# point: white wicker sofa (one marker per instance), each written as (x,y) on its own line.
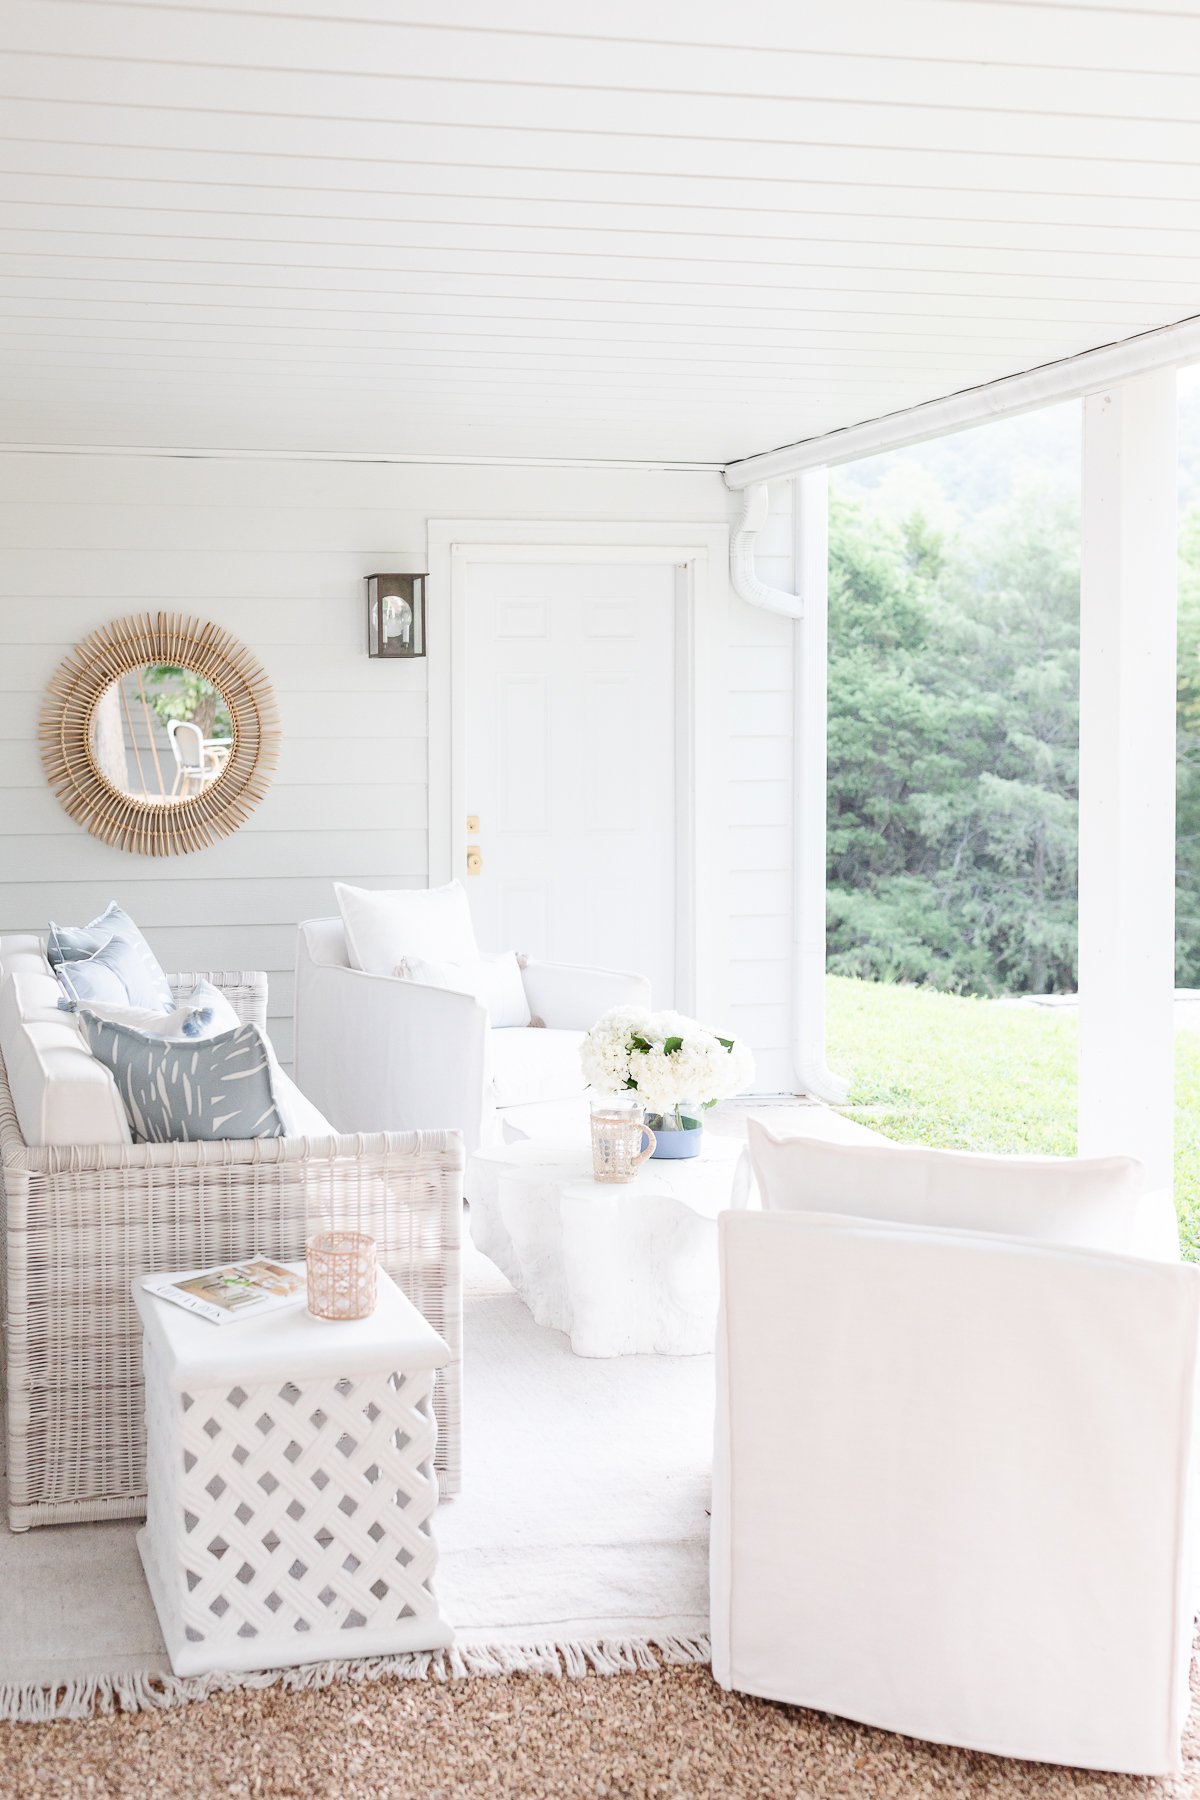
(82,1219)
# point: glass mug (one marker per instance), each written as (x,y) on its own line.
(621,1140)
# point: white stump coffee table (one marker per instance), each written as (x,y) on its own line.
(622,1269)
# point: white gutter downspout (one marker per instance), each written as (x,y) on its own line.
(808,611)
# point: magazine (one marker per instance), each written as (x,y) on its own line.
(233,1291)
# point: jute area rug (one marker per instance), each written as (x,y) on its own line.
(580,1540)
(669,1734)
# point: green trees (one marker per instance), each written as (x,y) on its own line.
(953,749)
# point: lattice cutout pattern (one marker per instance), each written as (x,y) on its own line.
(288,1509)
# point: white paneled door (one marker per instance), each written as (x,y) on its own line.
(571,763)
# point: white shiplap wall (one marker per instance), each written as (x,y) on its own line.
(276,550)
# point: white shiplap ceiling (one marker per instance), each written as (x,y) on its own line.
(652,229)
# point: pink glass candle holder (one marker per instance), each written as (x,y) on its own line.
(341,1269)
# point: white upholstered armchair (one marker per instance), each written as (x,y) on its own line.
(378,1053)
(954,1467)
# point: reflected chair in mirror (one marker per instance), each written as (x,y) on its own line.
(196,761)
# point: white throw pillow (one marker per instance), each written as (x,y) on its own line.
(385,926)
(1082,1203)
(494,980)
(300,1117)
(204,1013)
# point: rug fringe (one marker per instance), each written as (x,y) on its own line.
(145,1691)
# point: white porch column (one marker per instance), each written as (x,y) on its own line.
(1127,775)
(809,784)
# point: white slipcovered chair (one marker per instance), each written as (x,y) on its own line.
(372,1050)
(954,1467)
(197,759)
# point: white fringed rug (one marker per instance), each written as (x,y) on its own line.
(580,1540)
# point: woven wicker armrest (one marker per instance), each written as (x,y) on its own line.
(368,1153)
(245,989)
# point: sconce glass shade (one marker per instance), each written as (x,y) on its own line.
(396,615)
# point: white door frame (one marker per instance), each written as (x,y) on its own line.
(701,556)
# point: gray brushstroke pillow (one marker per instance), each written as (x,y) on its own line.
(189,1090)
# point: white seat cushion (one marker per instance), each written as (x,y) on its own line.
(1087,1204)
(534,1064)
(61,1094)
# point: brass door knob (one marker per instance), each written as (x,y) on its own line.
(474,859)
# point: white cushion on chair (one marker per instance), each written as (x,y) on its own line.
(202,1013)
(534,1065)
(61,1094)
(384,926)
(494,980)
(1090,1204)
(21,953)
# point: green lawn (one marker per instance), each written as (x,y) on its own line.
(933,1068)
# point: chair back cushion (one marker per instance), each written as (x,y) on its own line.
(384,926)
(493,980)
(1090,1203)
(190,1090)
(61,1094)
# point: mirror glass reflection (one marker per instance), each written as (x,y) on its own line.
(161,732)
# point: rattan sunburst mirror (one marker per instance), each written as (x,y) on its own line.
(159,734)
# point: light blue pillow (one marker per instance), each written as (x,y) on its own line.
(189,1090)
(108,960)
(115,975)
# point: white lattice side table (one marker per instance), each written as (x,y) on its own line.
(290,1483)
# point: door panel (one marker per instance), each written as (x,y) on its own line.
(571,762)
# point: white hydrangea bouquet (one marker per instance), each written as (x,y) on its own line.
(669,1061)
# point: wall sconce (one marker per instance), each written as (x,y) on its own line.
(396,615)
